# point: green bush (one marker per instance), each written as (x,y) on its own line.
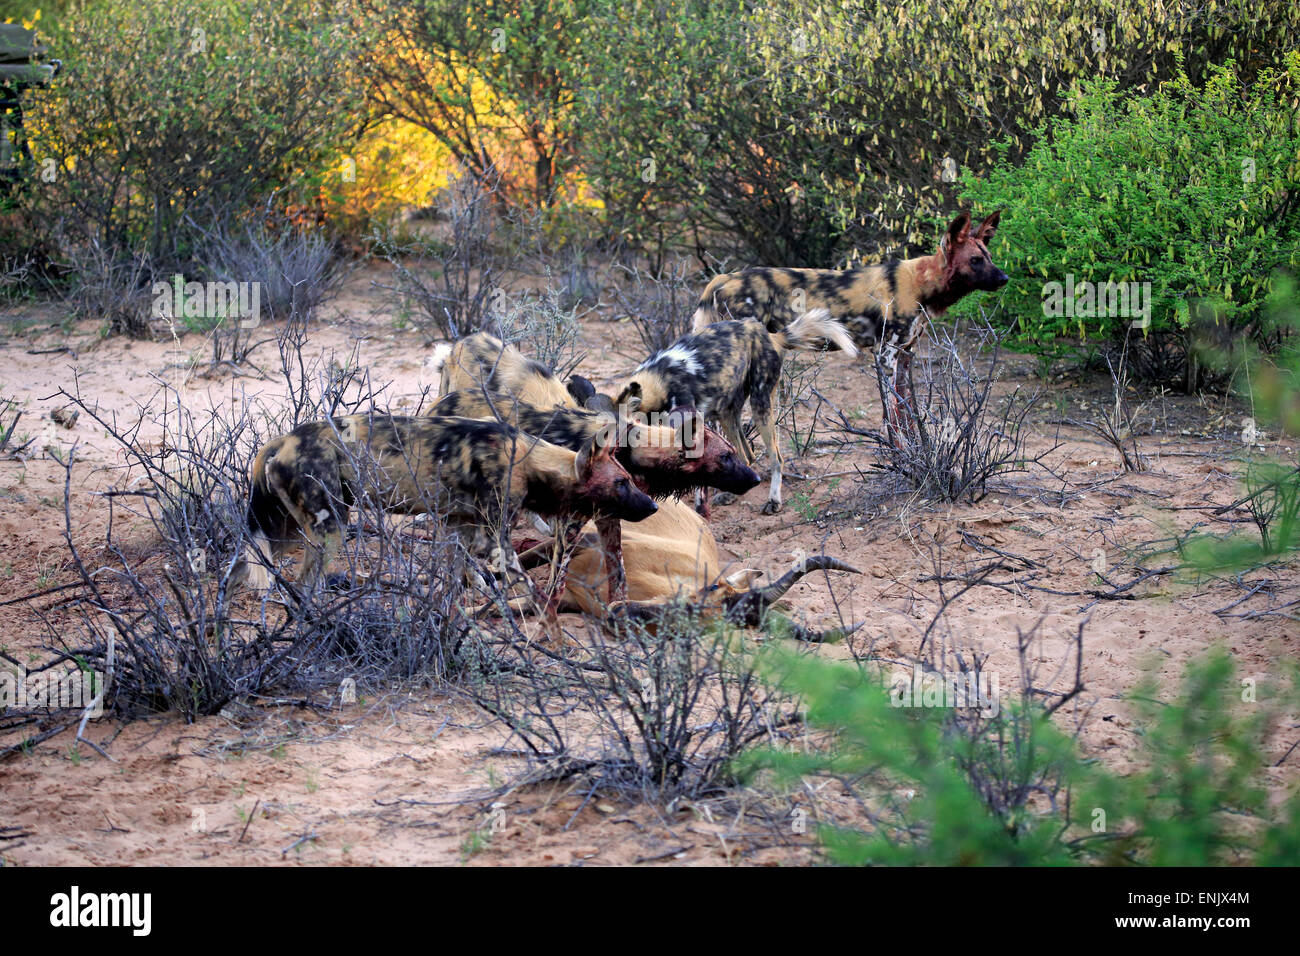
(1194,190)
(1271,388)
(1013,789)
(166,113)
(791,134)
(879,101)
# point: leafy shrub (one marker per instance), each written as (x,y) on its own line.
(1198,799)
(486,80)
(788,132)
(392,169)
(1191,189)
(889,136)
(1272,487)
(166,110)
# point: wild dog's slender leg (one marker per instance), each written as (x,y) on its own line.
(729,422)
(893,409)
(743,443)
(567,533)
(735,433)
(611,544)
(312,496)
(703,504)
(765,418)
(324,534)
(253,569)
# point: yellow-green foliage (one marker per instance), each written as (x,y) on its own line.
(165,110)
(487,80)
(394,166)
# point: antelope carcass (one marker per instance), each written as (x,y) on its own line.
(673,568)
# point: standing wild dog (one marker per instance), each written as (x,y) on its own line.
(663,459)
(719,368)
(483,361)
(883,306)
(476,473)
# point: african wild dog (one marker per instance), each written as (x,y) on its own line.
(484,361)
(883,306)
(663,459)
(474,472)
(717,369)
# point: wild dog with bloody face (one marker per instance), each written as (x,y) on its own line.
(665,459)
(476,473)
(884,307)
(719,368)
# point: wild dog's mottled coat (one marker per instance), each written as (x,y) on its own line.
(663,460)
(470,471)
(726,364)
(883,306)
(483,361)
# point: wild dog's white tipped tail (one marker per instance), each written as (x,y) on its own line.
(251,572)
(815,326)
(435,362)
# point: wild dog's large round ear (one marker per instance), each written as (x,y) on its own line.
(959,229)
(629,400)
(988,227)
(604,442)
(580,389)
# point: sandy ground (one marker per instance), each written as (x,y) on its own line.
(411,776)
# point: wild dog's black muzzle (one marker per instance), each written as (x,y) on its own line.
(995,279)
(637,507)
(737,477)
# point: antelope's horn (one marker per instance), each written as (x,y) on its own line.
(818,562)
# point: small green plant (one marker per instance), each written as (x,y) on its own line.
(474,843)
(1019,792)
(1272,485)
